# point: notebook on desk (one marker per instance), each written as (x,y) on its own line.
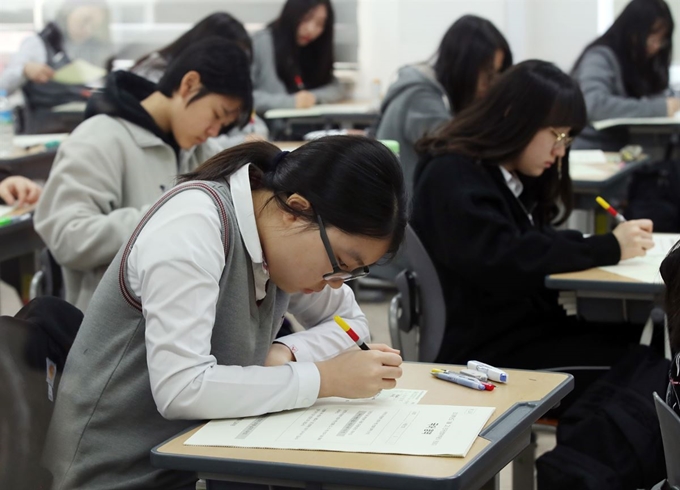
(636,121)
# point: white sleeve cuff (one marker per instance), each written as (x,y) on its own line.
(309,383)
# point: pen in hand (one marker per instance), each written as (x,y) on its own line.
(343,324)
(608,207)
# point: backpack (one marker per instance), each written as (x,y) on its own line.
(654,193)
(610,439)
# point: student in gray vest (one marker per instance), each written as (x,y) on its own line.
(425,96)
(79,31)
(138,137)
(625,72)
(293,58)
(182,327)
(153,66)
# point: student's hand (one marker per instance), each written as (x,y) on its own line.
(38,72)
(359,373)
(384,348)
(279,354)
(17,190)
(304,99)
(635,237)
(672,105)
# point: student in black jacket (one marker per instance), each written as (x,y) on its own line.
(489,187)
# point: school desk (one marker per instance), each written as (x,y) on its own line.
(344,114)
(519,404)
(609,180)
(605,296)
(18,239)
(31,158)
(659,135)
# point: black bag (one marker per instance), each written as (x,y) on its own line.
(654,193)
(609,439)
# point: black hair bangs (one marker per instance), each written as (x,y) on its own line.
(568,110)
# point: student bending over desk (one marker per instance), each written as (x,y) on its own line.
(120,160)
(486,194)
(425,96)
(181,327)
(625,72)
(293,58)
(153,66)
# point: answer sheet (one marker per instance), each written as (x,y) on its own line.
(646,269)
(433,430)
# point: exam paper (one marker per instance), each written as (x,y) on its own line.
(395,396)
(433,430)
(579,157)
(646,269)
(78,72)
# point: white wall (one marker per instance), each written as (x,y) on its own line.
(396,32)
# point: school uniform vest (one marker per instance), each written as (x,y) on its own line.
(105,421)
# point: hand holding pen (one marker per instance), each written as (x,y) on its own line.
(634,237)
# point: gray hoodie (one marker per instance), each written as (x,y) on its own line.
(601,81)
(414,105)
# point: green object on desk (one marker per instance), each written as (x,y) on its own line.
(51,145)
(392,145)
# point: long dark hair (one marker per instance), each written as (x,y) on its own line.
(354,183)
(530,96)
(314,62)
(219,24)
(670,272)
(468,48)
(627,37)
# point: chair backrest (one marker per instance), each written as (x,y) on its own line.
(669,422)
(430,307)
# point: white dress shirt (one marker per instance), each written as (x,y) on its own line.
(512,181)
(175,268)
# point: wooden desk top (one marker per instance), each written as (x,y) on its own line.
(524,386)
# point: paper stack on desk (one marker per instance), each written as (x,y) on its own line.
(368,427)
(78,72)
(646,269)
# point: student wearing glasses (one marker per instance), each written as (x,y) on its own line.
(182,326)
(625,72)
(489,188)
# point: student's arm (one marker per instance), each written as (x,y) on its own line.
(328,94)
(32,50)
(425,113)
(79,215)
(175,267)
(326,339)
(467,227)
(266,100)
(597,78)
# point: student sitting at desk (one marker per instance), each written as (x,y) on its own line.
(670,272)
(425,96)
(293,58)
(625,72)
(488,189)
(139,136)
(153,66)
(181,327)
(16,190)
(80,31)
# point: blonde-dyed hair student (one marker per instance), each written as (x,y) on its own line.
(182,326)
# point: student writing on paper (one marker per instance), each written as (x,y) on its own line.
(490,187)
(79,31)
(625,72)
(470,56)
(153,66)
(670,271)
(293,58)
(181,327)
(138,136)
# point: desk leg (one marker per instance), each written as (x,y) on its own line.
(523,467)
(493,484)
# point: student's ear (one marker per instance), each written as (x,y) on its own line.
(190,84)
(299,203)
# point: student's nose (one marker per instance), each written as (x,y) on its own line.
(560,151)
(214,130)
(336,284)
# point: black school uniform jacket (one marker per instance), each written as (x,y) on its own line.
(492,261)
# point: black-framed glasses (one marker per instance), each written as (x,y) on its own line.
(338,274)
(561,139)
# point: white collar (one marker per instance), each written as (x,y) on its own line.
(512,181)
(242,196)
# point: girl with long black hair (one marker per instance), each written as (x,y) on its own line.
(293,58)
(625,72)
